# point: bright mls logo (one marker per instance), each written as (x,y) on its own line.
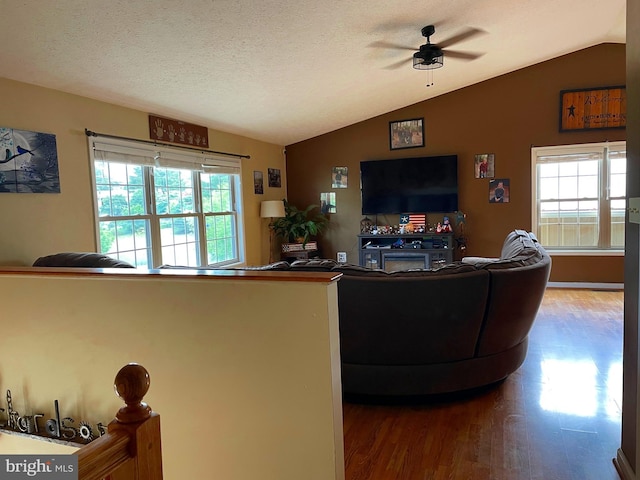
(50,467)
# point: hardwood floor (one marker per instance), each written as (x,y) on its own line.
(557,417)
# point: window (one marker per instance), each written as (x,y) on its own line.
(579,196)
(157,206)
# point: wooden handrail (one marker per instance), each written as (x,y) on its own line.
(131,448)
(102,456)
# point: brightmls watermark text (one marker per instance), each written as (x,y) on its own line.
(49,467)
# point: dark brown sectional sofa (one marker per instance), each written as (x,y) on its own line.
(427,332)
(422,332)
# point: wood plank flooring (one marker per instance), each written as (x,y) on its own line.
(557,417)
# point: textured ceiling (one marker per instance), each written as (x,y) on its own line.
(281,71)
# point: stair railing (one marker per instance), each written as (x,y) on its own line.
(131,448)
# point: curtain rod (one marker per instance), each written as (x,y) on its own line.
(89,133)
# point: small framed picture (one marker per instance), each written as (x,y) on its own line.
(339,177)
(328,202)
(274,177)
(258,182)
(499,190)
(484,165)
(406,134)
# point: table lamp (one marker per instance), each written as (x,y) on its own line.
(271,209)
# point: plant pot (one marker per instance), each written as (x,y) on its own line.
(299,247)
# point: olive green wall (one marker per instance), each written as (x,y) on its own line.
(39,224)
(505,116)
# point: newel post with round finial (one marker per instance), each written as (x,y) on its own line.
(131,384)
(131,449)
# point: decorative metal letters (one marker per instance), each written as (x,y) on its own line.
(53,428)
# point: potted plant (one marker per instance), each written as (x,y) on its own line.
(298,226)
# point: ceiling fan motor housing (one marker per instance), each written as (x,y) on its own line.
(429,56)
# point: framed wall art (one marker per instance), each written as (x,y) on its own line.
(28,162)
(258,182)
(339,177)
(593,108)
(406,134)
(328,202)
(499,190)
(484,165)
(177,131)
(274,177)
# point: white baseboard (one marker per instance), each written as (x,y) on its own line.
(587,285)
(622,466)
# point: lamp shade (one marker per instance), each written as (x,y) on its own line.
(272,209)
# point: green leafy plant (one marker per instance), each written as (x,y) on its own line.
(299,225)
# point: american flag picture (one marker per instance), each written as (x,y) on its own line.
(418,219)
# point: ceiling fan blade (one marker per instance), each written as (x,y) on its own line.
(399,64)
(461,55)
(381,44)
(395,26)
(471,32)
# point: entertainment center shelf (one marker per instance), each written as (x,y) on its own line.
(419,250)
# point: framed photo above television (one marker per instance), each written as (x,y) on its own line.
(406,134)
(410,185)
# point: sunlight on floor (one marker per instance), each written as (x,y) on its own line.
(613,406)
(572,387)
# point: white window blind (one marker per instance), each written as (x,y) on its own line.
(126,151)
(157,205)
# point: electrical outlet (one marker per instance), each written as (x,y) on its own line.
(342,257)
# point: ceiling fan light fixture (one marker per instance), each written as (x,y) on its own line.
(427,62)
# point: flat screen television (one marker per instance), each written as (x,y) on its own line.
(410,185)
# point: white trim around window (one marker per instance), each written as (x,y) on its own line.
(578,200)
(157,205)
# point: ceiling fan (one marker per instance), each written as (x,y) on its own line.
(431,56)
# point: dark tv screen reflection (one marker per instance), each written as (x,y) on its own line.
(410,185)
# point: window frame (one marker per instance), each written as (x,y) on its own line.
(604,206)
(150,156)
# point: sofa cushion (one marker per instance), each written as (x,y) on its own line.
(81,259)
(281,265)
(451,269)
(526,258)
(314,265)
(277,266)
(517,243)
(478,262)
(357,270)
(520,248)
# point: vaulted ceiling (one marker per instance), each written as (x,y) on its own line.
(283,71)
